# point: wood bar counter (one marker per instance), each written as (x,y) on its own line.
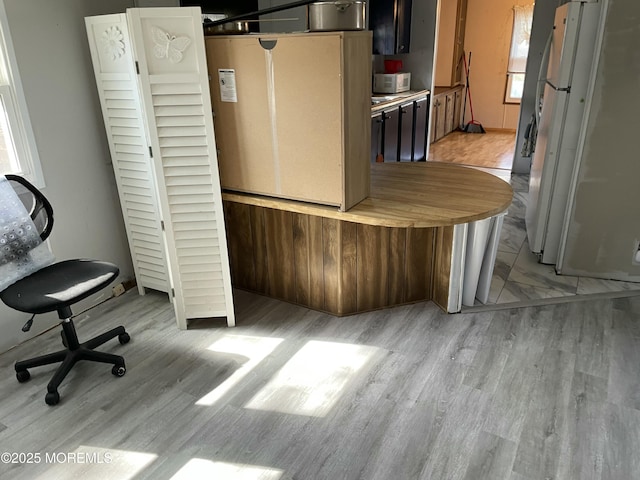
(397,246)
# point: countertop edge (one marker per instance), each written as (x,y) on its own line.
(377,210)
(399,101)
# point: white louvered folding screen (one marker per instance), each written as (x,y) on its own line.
(116,80)
(174,83)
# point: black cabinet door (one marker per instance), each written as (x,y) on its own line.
(390,21)
(376,138)
(421,120)
(403,26)
(406,132)
(390,129)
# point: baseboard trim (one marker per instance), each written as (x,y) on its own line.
(500,130)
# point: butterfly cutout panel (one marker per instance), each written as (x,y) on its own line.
(169,45)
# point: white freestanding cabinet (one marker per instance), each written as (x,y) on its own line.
(151,73)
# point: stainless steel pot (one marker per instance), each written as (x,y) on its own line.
(228,28)
(338,15)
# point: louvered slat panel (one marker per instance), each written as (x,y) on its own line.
(184,131)
(175,89)
(124,122)
(121,104)
(185,160)
(127,94)
(179,110)
(123,113)
(160,100)
(186,171)
(184,121)
(194,141)
(129,149)
(124,125)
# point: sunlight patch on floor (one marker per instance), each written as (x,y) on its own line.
(93,462)
(255,349)
(313,379)
(200,468)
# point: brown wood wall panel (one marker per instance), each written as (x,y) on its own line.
(316,267)
(240,243)
(397,265)
(349,276)
(260,250)
(442,265)
(373,267)
(419,263)
(301,238)
(332,264)
(279,241)
(336,266)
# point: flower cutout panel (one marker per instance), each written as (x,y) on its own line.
(113,43)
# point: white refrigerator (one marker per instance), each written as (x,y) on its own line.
(571,52)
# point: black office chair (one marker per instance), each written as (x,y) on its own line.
(55,288)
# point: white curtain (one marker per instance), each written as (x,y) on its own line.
(522,20)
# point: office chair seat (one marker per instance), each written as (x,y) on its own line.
(59,285)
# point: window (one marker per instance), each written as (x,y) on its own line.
(18,153)
(522,20)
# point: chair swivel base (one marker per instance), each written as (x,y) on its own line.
(73,353)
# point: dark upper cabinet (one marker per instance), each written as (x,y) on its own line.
(390,21)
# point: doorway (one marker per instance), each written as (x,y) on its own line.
(486,38)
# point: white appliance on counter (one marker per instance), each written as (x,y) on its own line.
(391,82)
(571,69)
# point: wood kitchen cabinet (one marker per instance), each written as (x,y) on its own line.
(446,111)
(390,21)
(296,124)
(438,116)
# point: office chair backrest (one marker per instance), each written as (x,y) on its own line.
(39,208)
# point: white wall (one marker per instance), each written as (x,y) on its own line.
(52,53)
(269,26)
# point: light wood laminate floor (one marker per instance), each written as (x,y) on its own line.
(549,392)
(490,150)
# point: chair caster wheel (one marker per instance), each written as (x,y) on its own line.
(52,398)
(124,338)
(23,376)
(118,370)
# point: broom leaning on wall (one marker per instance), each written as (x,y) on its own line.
(473,126)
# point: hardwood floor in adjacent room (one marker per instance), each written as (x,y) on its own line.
(404,393)
(489,150)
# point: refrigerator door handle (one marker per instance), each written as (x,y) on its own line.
(542,78)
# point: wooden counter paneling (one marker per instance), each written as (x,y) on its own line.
(395,247)
(327,264)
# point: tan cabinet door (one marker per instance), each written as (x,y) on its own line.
(243,128)
(307,74)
